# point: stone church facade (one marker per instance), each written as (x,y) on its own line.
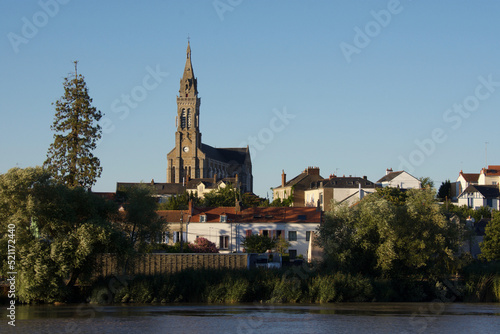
(191,159)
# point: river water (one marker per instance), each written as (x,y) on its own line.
(363,318)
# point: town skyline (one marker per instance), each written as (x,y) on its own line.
(351,88)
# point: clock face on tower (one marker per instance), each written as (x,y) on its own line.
(186,149)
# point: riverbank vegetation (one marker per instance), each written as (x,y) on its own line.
(292,285)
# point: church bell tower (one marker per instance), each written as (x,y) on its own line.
(183,161)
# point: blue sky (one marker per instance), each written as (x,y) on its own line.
(366,85)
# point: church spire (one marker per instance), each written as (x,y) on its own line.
(188,86)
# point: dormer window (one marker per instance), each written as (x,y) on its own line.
(203,218)
(223,218)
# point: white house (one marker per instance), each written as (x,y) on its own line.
(227,226)
(464,180)
(400,179)
(476,196)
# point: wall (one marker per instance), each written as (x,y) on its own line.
(153,264)
(237,231)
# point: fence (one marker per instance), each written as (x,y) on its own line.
(157,264)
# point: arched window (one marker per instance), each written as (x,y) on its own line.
(183,119)
(189,118)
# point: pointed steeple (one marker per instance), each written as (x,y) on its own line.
(188,87)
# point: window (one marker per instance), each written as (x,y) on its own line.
(301,217)
(308,235)
(489,202)
(248,233)
(189,118)
(164,238)
(292,235)
(224,242)
(223,218)
(177,236)
(203,218)
(470,202)
(264,233)
(292,253)
(183,119)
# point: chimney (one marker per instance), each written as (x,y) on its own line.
(152,182)
(388,171)
(237,207)
(190,207)
(312,170)
(332,176)
(365,177)
(283,178)
(215,178)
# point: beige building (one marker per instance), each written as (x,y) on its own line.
(190,158)
(297,186)
(489,176)
(348,190)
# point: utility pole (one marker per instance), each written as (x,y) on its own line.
(182,241)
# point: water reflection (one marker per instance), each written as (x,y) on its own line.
(259,318)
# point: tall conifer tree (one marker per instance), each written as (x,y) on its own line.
(77,131)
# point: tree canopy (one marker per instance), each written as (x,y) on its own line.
(490,247)
(70,158)
(258,243)
(59,231)
(389,234)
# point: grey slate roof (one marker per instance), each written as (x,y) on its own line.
(302,181)
(488,191)
(344,182)
(228,155)
(389,177)
(159,188)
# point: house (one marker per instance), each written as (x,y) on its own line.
(200,187)
(400,179)
(227,226)
(489,176)
(476,196)
(340,189)
(463,181)
(297,186)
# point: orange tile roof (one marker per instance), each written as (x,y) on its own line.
(250,215)
(493,170)
(470,177)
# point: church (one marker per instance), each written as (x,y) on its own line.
(191,163)
(191,159)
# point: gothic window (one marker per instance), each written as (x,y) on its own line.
(189,118)
(183,119)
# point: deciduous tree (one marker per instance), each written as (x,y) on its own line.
(258,243)
(490,247)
